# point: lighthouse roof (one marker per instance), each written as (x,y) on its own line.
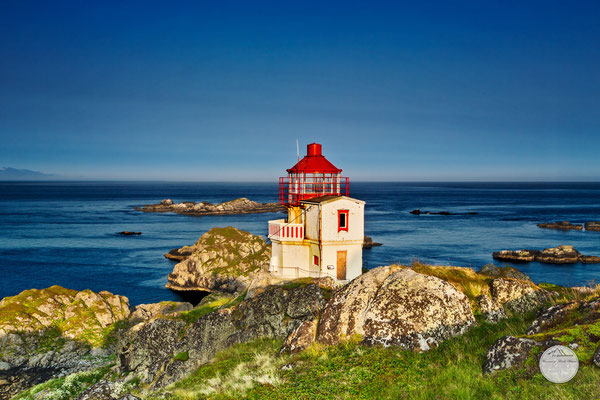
(314,162)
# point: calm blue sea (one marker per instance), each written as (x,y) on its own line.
(64,232)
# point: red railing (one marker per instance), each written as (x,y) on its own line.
(293,190)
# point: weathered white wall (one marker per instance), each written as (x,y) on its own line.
(312,222)
(353,259)
(356,221)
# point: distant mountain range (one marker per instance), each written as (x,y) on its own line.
(13,174)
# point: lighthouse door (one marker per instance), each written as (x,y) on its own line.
(341,265)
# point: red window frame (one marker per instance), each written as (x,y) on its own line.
(346,213)
(316,260)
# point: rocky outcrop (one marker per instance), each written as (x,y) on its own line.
(54,332)
(145,312)
(395,306)
(495,271)
(555,255)
(76,315)
(561,225)
(368,243)
(592,226)
(223,259)
(162,351)
(179,254)
(237,206)
(507,352)
(129,233)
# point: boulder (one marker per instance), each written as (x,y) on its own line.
(491,310)
(396,306)
(596,357)
(517,295)
(507,352)
(592,226)
(561,225)
(552,316)
(302,337)
(495,271)
(223,259)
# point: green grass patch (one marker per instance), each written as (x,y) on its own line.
(66,388)
(211,304)
(183,356)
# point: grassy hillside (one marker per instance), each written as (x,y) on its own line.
(451,371)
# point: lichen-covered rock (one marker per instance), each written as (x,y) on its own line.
(77,315)
(396,306)
(507,352)
(162,351)
(494,271)
(517,295)
(596,357)
(492,311)
(301,337)
(223,259)
(49,332)
(552,316)
(144,312)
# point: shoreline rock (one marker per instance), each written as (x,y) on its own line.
(237,206)
(561,225)
(592,226)
(368,243)
(223,259)
(564,254)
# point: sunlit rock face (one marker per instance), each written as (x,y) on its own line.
(396,306)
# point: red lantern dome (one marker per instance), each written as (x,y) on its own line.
(312,176)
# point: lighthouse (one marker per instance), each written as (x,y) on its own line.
(324,229)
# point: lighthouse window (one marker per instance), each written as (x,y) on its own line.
(342,220)
(316,260)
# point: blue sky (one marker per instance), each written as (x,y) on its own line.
(221,90)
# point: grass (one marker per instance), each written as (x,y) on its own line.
(66,388)
(464,279)
(210,304)
(354,371)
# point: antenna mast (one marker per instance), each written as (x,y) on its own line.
(298,150)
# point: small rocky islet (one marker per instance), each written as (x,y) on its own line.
(592,226)
(237,206)
(564,254)
(141,350)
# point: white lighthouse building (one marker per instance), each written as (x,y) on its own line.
(324,229)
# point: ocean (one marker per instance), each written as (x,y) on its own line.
(64,233)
